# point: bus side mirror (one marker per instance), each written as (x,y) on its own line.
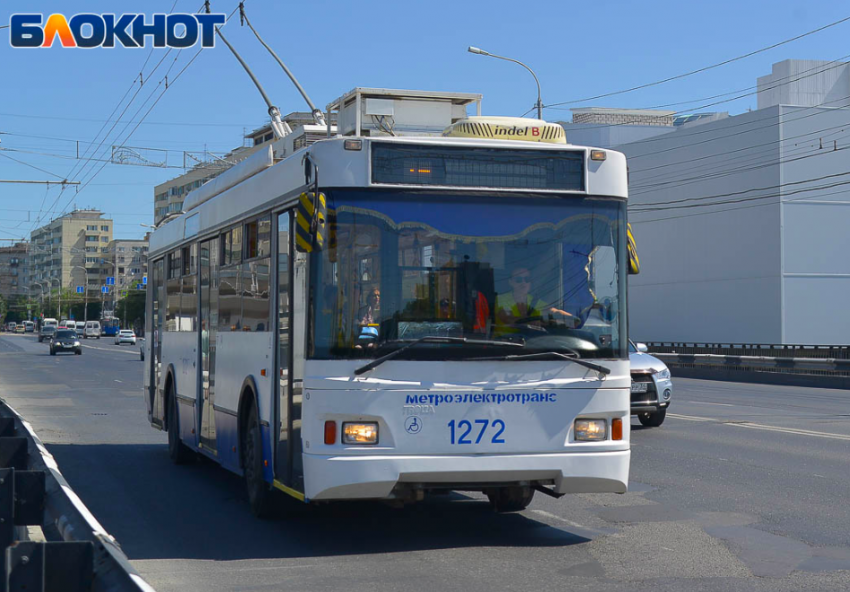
(311,223)
(634,260)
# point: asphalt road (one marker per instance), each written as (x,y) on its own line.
(745,487)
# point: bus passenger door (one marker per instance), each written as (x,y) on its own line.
(157,290)
(283,452)
(209,323)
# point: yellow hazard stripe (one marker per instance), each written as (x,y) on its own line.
(302,221)
(307,202)
(289,491)
(305,245)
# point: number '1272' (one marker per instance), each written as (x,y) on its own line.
(463,431)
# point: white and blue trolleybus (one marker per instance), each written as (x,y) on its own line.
(380,313)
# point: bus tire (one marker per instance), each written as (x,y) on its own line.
(654,419)
(259,493)
(510,499)
(177,451)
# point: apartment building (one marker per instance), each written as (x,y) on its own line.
(127,261)
(68,251)
(14,270)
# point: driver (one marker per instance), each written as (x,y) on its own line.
(520,305)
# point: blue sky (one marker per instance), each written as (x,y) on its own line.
(578,50)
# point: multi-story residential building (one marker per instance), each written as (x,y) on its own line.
(69,251)
(127,261)
(14,270)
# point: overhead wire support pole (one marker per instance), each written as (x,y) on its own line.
(281,128)
(318,117)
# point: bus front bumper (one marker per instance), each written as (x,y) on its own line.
(379,477)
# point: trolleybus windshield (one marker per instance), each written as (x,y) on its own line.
(546,272)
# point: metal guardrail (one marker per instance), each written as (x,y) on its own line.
(78,555)
(840,352)
(768,363)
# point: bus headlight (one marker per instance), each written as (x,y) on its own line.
(360,433)
(591,430)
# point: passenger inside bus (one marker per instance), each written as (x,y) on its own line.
(521,307)
(369,318)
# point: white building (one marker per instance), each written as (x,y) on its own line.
(743,223)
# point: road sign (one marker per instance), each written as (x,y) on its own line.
(110,281)
(80,289)
(105,289)
(140,286)
(145,280)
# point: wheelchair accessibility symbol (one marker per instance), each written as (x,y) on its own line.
(413,425)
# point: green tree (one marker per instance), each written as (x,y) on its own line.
(3,308)
(131,309)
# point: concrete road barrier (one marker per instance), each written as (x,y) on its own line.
(78,554)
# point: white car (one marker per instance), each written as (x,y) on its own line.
(125,336)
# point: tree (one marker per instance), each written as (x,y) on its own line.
(3,308)
(131,309)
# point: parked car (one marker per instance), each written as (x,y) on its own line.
(29,326)
(46,332)
(652,388)
(92,329)
(125,336)
(65,340)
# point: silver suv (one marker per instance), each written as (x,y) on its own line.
(652,388)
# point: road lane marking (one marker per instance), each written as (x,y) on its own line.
(798,431)
(123,351)
(767,428)
(559,519)
(706,403)
(690,417)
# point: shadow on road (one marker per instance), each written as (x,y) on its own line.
(158,510)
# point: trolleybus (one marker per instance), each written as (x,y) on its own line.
(390,316)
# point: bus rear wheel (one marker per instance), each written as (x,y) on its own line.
(510,499)
(259,493)
(178,451)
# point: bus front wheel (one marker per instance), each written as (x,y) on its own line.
(510,499)
(259,493)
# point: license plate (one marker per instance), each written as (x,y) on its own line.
(640,387)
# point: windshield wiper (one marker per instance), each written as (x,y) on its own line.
(573,356)
(432,339)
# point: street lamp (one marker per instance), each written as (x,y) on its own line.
(40,285)
(492,55)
